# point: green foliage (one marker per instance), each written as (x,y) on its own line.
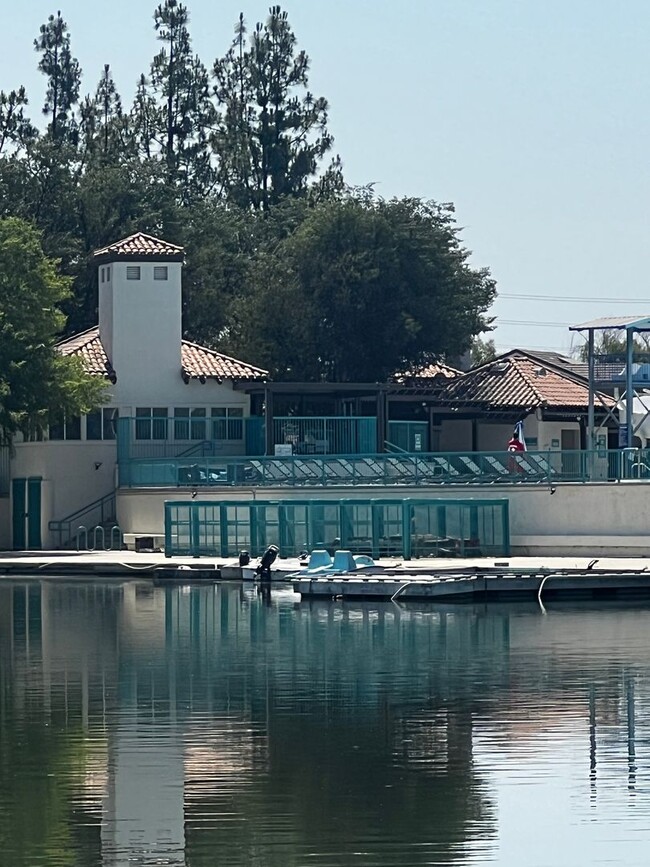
(613,342)
(284,267)
(482,351)
(34,378)
(63,77)
(272,132)
(361,288)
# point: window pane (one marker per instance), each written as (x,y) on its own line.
(235,428)
(181,423)
(219,429)
(110,417)
(56,427)
(94,426)
(143,423)
(73,428)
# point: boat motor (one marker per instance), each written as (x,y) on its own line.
(267,560)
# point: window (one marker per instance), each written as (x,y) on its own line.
(108,273)
(101,425)
(151,423)
(101,271)
(62,428)
(132,272)
(160,272)
(190,424)
(227,423)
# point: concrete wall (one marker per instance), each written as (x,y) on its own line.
(70,480)
(596,519)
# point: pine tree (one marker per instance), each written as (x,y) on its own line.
(272,132)
(63,77)
(181,85)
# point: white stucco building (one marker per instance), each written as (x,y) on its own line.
(176,392)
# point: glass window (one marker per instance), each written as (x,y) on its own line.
(160,272)
(101,271)
(219,423)
(181,423)
(151,424)
(132,272)
(57,428)
(236,423)
(108,273)
(159,427)
(94,426)
(227,423)
(109,422)
(73,428)
(198,424)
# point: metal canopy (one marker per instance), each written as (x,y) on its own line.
(629,324)
(605,323)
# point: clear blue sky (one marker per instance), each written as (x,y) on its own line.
(533,118)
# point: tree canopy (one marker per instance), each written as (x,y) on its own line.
(233,158)
(34,378)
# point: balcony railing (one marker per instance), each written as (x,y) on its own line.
(457,468)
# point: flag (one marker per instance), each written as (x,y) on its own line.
(519,432)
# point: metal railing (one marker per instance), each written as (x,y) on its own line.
(458,468)
(95,514)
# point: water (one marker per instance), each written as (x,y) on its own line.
(143,726)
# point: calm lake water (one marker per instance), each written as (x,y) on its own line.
(143,726)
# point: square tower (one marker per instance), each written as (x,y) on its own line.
(140,310)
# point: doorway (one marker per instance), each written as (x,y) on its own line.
(26,513)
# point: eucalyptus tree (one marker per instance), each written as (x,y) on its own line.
(63,77)
(271,135)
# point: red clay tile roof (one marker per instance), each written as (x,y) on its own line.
(88,347)
(516,381)
(196,361)
(199,361)
(140,246)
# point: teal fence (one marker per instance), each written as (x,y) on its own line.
(459,468)
(382,527)
(326,435)
(408,436)
(202,436)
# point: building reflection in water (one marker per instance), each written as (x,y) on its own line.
(204,725)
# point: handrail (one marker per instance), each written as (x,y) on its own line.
(104,506)
(74,515)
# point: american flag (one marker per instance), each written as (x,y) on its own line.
(519,432)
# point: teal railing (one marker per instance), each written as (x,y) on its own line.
(401,527)
(95,514)
(534,467)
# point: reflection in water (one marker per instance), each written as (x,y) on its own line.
(211,725)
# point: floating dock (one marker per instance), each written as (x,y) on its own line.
(483,584)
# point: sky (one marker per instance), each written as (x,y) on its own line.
(532,118)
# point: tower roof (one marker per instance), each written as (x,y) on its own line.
(138,247)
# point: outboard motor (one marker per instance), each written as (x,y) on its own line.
(267,560)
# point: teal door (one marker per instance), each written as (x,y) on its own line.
(26,513)
(34,512)
(18,513)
